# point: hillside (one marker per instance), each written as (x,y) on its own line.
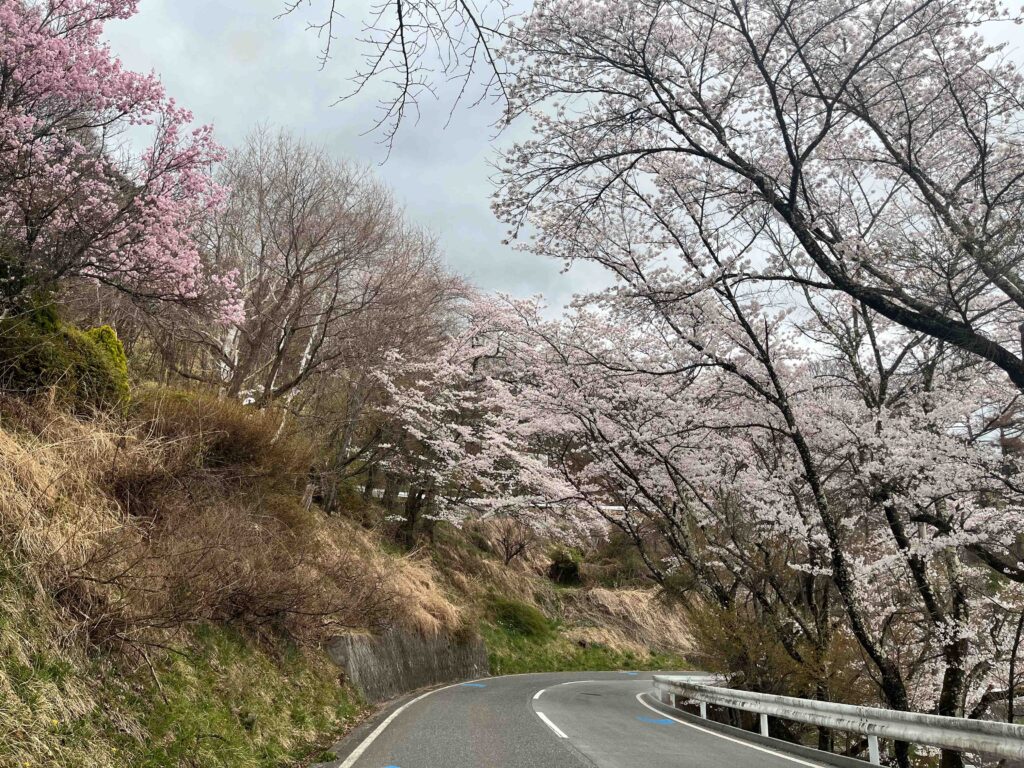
(167,590)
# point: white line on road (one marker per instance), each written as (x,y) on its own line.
(358,751)
(783,755)
(552,726)
(538,694)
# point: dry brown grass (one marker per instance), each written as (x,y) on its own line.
(51,511)
(34,705)
(419,601)
(135,531)
(475,576)
(635,620)
(124,535)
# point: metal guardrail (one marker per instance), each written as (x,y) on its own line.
(961,734)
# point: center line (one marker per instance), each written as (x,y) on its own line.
(558,731)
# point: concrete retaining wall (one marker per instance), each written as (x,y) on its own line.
(384,666)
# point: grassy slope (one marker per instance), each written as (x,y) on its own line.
(512,653)
(204,695)
(522,639)
(217,700)
(232,704)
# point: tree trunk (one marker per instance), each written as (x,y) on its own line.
(413,508)
(390,492)
(368,488)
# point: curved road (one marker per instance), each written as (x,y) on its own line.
(562,720)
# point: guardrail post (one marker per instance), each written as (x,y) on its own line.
(764,725)
(873,756)
(704,710)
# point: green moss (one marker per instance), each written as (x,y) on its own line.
(85,369)
(105,338)
(44,316)
(511,653)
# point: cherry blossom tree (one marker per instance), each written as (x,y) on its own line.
(447,431)
(458,435)
(868,147)
(811,214)
(775,478)
(844,488)
(75,201)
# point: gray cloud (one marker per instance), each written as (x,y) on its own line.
(235,65)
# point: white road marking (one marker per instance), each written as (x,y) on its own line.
(358,751)
(783,755)
(538,694)
(558,731)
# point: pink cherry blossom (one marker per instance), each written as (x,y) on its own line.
(74,200)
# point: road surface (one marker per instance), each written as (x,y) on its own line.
(562,720)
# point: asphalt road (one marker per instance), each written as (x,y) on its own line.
(565,720)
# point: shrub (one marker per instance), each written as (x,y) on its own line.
(520,618)
(565,566)
(105,338)
(513,539)
(85,370)
(222,433)
(740,642)
(617,563)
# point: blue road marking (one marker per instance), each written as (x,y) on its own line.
(631,674)
(469,685)
(654,720)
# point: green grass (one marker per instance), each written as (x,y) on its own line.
(519,619)
(511,653)
(222,701)
(232,704)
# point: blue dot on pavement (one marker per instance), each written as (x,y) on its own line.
(473,685)
(654,720)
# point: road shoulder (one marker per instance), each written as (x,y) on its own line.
(825,758)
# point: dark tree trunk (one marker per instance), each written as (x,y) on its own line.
(390,492)
(413,509)
(368,488)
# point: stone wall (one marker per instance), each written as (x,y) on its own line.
(384,666)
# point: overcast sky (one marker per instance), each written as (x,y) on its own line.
(235,65)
